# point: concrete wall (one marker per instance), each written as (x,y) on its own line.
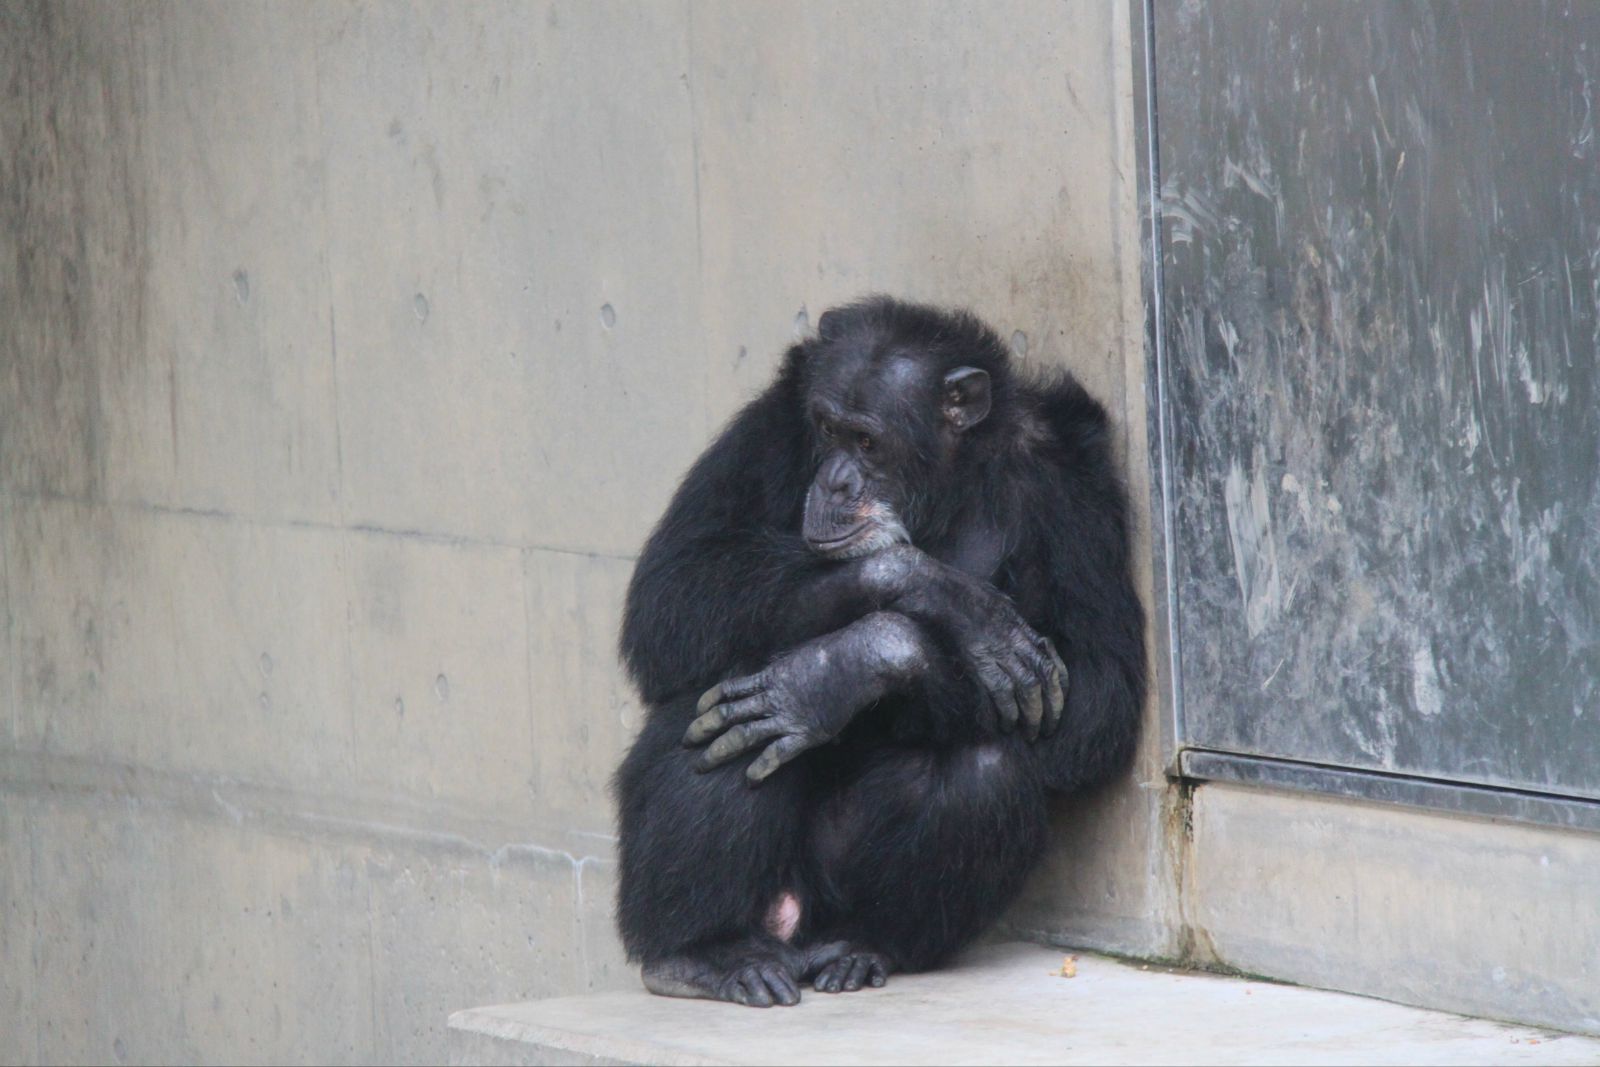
(347,355)
(1470,915)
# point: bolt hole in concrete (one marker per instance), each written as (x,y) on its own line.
(419,304)
(441,686)
(241,285)
(802,323)
(608,316)
(1019,345)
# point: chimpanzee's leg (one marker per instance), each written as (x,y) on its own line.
(709,892)
(916,852)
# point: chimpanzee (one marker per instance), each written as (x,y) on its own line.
(886,613)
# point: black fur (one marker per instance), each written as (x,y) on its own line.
(918,824)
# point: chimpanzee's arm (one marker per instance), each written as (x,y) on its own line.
(1003,674)
(725,581)
(702,608)
(1074,585)
(1022,679)
(1096,621)
(1069,575)
(724,584)
(809,694)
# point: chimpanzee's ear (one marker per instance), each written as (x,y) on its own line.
(794,359)
(828,325)
(966,397)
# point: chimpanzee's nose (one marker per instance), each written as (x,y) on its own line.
(840,477)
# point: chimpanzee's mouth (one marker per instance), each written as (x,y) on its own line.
(832,545)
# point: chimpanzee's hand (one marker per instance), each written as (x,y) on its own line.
(1019,668)
(768,708)
(806,696)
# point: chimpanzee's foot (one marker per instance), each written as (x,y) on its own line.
(844,966)
(753,973)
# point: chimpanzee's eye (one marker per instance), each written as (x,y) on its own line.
(826,429)
(865,443)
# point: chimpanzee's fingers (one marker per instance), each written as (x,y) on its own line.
(732,689)
(988,706)
(1058,691)
(880,973)
(776,755)
(738,739)
(1016,691)
(721,716)
(858,973)
(1042,671)
(1010,714)
(1031,693)
(1003,690)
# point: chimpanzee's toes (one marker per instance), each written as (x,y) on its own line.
(852,971)
(750,989)
(762,986)
(755,975)
(784,990)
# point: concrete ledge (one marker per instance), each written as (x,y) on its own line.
(1003,1004)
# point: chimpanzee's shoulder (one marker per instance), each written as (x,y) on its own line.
(747,476)
(769,432)
(1077,423)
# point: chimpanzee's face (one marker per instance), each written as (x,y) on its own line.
(885,425)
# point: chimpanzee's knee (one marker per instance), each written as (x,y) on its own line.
(992,766)
(702,855)
(924,847)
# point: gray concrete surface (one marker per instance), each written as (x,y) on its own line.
(347,353)
(1485,918)
(1003,1004)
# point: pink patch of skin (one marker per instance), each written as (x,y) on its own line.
(783,918)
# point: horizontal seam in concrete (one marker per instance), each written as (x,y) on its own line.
(274,809)
(428,536)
